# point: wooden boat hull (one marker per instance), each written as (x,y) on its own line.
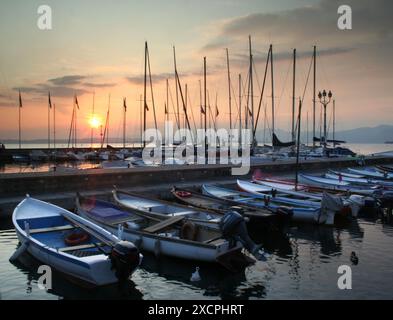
(162,209)
(163,243)
(310,215)
(95,270)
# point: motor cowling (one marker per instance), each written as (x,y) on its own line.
(125,259)
(233,228)
(230,222)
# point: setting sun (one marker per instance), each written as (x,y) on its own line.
(94,122)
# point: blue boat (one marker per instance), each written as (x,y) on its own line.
(72,245)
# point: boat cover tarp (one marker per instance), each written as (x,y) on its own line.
(103,210)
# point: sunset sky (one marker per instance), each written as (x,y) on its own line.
(98,46)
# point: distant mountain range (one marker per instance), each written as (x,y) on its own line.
(378,134)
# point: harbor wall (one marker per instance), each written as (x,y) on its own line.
(36,183)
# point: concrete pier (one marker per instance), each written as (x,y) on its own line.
(60,187)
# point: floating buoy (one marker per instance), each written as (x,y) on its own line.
(195,276)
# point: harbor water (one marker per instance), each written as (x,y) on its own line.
(303,265)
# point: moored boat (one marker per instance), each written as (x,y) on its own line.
(163,209)
(174,236)
(301,214)
(72,245)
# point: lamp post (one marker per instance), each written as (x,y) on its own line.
(324,99)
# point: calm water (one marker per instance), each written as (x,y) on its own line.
(302,266)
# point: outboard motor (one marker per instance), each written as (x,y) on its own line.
(386,200)
(125,259)
(233,228)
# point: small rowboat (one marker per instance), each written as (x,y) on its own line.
(303,214)
(72,245)
(206,202)
(280,196)
(360,181)
(385,168)
(342,186)
(355,202)
(163,209)
(371,173)
(173,236)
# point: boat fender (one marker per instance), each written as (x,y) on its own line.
(188,231)
(138,242)
(157,248)
(183,194)
(76,238)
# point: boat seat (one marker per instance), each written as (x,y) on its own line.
(163,224)
(52,229)
(212,239)
(182,213)
(81,247)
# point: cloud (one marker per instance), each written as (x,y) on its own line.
(308,25)
(67,80)
(156,78)
(98,85)
(58,91)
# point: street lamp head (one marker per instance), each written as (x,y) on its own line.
(330,94)
(324,93)
(320,95)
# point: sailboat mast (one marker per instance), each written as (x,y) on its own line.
(167,100)
(229,92)
(144,98)
(19,120)
(200,104)
(54,127)
(177,89)
(293,94)
(185,105)
(49,107)
(334,123)
(107,119)
(71,132)
(92,114)
(240,110)
(124,121)
(298,144)
(314,93)
(75,122)
(140,117)
(272,83)
(205,103)
(251,90)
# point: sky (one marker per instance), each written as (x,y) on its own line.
(97,46)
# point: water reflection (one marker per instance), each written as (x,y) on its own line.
(66,288)
(302,264)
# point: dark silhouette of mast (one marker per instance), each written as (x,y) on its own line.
(314,93)
(293,94)
(229,92)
